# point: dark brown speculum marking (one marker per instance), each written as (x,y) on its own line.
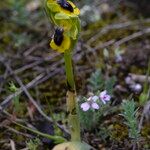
(66,5)
(58,36)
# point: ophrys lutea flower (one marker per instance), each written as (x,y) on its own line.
(60,42)
(63,6)
(64,14)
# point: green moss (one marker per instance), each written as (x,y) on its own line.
(118,132)
(146,131)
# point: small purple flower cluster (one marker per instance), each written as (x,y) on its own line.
(92,101)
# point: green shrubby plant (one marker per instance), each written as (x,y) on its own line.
(95,113)
(145,95)
(20,14)
(33,144)
(109,84)
(98,83)
(129,113)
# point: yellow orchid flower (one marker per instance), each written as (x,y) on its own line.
(64,14)
(60,42)
(63,6)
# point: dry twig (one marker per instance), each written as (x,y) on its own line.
(139,78)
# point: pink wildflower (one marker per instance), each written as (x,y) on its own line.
(91,103)
(104,97)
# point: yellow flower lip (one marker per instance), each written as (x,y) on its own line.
(58,36)
(68,11)
(65,5)
(60,41)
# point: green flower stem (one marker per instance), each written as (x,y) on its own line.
(74,123)
(69,70)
